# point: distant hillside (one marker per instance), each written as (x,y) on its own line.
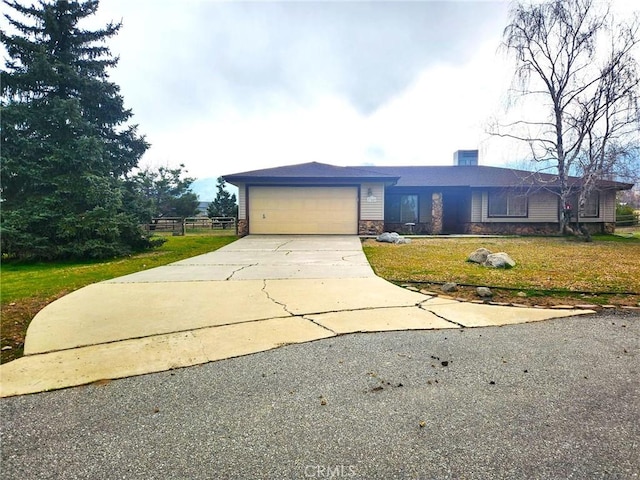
(206,189)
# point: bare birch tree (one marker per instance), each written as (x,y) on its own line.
(578,64)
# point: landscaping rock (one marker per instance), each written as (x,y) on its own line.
(479,256)
(484,292)
(522,294)
(499,260)
(428,292)
(392,237)
(450,287)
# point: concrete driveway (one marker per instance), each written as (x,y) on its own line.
(258,293)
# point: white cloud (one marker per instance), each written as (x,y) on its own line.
(225,87)
(445,109)
(229,87)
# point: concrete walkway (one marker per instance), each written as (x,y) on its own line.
(258,293)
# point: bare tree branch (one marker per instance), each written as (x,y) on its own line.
(576,61)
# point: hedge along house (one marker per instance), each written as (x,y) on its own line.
(316,198)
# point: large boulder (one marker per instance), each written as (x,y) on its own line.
(449,287)
(499,260)
(479,256)
(392,237)
(484,292)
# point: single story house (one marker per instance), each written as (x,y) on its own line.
(317,198)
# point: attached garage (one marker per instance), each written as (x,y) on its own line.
(310,199)
(303,210)
(317,198)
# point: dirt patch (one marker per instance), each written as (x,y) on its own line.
(16,317)
(532,298)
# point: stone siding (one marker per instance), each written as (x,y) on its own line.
(547,228)
(418,229)
(509,228)
(600,227)
(436,213)
(376,227)
(608,227)
(243,228)
(370,227)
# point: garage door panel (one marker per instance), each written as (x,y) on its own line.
(305,210)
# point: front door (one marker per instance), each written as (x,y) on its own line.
(456,211)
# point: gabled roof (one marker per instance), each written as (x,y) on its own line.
(474,176)
(481,176)
(465,176)
(310,171)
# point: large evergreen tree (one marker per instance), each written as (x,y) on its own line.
(66,147)
(168,192)
(224,205)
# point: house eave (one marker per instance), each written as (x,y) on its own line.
(279,180)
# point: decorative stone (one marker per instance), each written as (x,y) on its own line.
(499,260)
(370,227)
(479,256)
(450,287)
(522,294)
(587,306)
(428,292)
(484,292)
(392,237)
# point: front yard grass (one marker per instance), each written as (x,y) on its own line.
(26,288)
(549,270)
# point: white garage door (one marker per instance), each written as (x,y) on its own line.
(303,210)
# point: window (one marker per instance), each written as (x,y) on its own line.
(507,204)
(401,209)
(591,207)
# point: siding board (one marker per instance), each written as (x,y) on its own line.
(372,210)
(476,206)
(542,207)
(242,202)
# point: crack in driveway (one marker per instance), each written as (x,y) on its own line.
(421,307)
(280,246)
(318,324)
(345,257)
(283,305)
(239,270)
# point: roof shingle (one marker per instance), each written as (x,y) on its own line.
(414,176)
(311,171)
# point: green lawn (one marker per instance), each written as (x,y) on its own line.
(27,288)
(20,281)
(547,268)
(608,264)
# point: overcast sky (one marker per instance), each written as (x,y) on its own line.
(225,87)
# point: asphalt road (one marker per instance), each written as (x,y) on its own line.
(555,399)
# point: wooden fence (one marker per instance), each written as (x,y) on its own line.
(180,226)
(632,220)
